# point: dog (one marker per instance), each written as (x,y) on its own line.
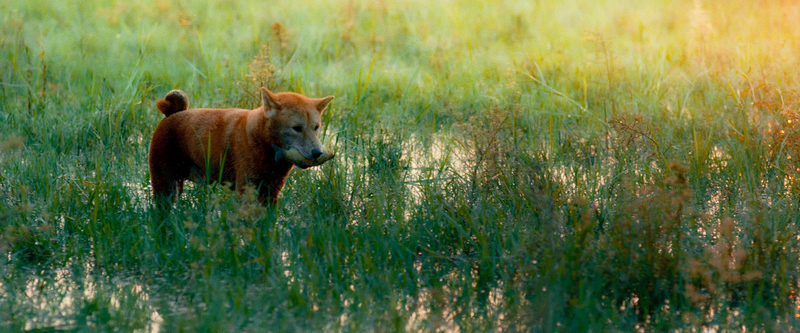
(258,147)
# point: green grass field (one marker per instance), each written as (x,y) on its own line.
(510,165)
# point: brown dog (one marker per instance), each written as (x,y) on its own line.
(257,147)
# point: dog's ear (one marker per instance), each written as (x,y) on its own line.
(270,103)
(322,103)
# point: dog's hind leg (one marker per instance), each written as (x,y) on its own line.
(164,191)
(167,180)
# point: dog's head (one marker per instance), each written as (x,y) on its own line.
(295,121)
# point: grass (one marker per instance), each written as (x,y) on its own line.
(516,166)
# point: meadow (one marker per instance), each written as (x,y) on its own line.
(505,165)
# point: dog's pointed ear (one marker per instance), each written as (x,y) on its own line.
(322,103)
(270,103)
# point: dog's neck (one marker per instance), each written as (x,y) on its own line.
(258,129)
(255,123)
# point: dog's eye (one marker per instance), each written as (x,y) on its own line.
(297,129)
(316,128)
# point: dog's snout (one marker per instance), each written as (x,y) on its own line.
(316,153)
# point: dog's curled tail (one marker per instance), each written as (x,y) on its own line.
(175,101)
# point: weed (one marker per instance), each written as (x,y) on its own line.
(497,168)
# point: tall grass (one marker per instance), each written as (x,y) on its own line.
(506,165)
